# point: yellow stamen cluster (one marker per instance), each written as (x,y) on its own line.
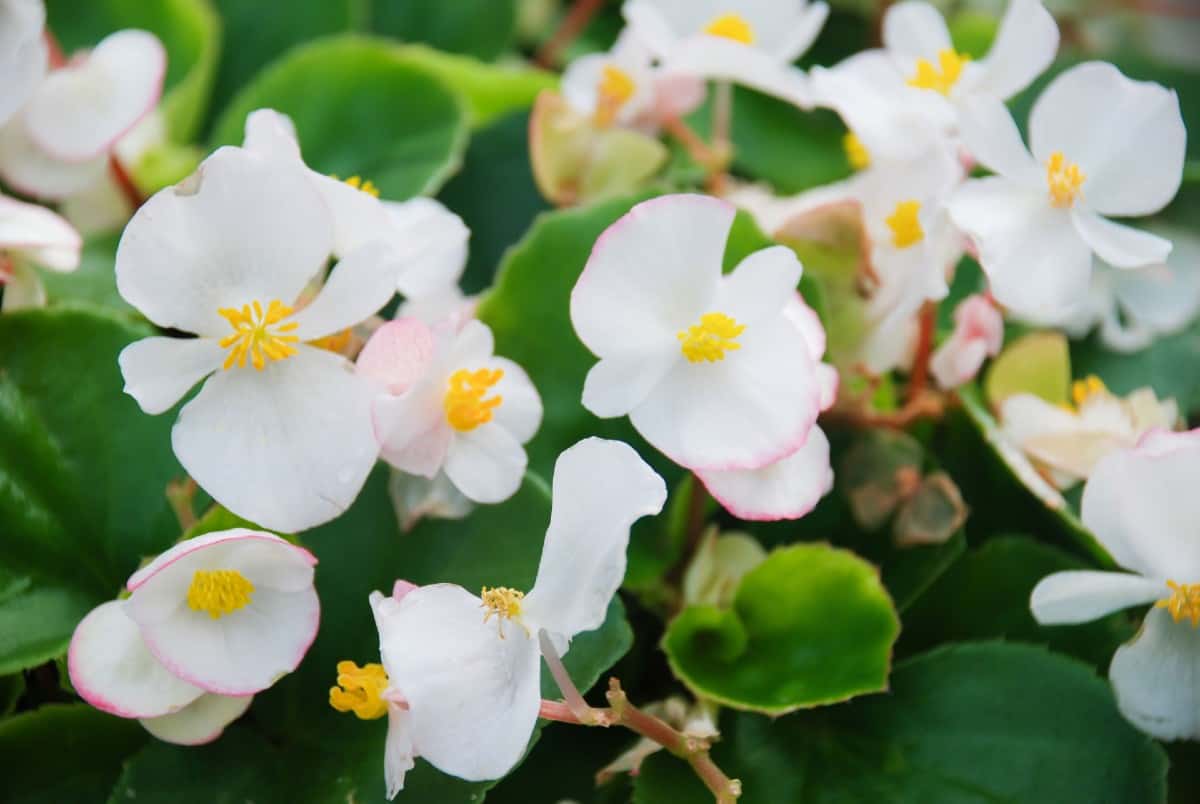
(709,340)
(905,224)
(504,603)
(613,91)
(1065,180)
(466,407)
(856,153)
(731,26)
(258,335)
(1082,390)
(219,592)
(360,690)
(1184,602)
(943,77)
(366,185)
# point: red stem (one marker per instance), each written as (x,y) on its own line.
(920,369)
(125,182)
(577,18)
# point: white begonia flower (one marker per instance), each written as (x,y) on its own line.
(23,53)
(709,367)
(281,432)
(749,42)
(790,487)
(1038,221)
(61,141)
(978,334)
(461,675)
(1141,505)
(208,623)
(1068,441)
(448,404)
(31,236)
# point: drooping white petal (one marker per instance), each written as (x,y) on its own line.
(243,228)
(38,234)
(1142,506)
(521,411)
(201,721)
(473,697)
(486,463)
(760,285)
(1155,678)
(287,447)
(362,282)
(991,136)
(397,355)
(600,489)
(1025,45)
(651,273)
(786,489)
(112,670)
(158,371)
(1080,596)
(914,30)
(28,169)
(81,109)
(619,383)
(1117,244)
(1127,137)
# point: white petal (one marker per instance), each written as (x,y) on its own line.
(27,168)
(287,447)
(1156,678)
(1023,48)
(957,362)
(914,30)
(1126,136)
(1163,298)
(361,283)
(760,285)
(473,697)
(800,37)
(600,489)
(990,134)
(81,110)
(201,721)
(472,345)
(1080,596)
(413,430)
(432,245)
(38,234)
(651,274)
(786,489)
(264,558)
(745,411)
(243,228)
(650,25)
(111,669)
(1119,245)
(486,463)
(271,133)
(521,411)
(158,371)
(724,59)
(397,355)
(398,751)
(1142,506)
(415,497)
(358,217)
(806,320)
(23,53)
(619,383)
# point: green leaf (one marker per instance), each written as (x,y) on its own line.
(811,625)
(94,282)
(985,722)
(64,754)
(480,28)
(361,107)
(82,473)
(36,620)
(189,30)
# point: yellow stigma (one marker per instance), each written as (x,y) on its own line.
(731,26)
(1183,602)
(709,340)
(1082,390)
(465,405)
(337,342)
(367,186)
(1065,180)
(219,592)
(360,690)
(856,153)
(504,603)
(258,334)
(905,224)
(941,80)
(613,91)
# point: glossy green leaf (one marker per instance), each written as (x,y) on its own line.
(361,107)
(189,30)
(979,722)
(811,625)
(37,619)
(480,28)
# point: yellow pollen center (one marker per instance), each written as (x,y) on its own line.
(219,592)
(1184,602)
(856,153)
(360,690)
(258,335)
(1065,180)
(466,407)
(366,185)
(731,26)
(1082,390)
(905,224)
(613,91)
(709,340)
(943,77)
(504,603)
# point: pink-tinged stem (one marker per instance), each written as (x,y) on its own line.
(125,182)
(577,19)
